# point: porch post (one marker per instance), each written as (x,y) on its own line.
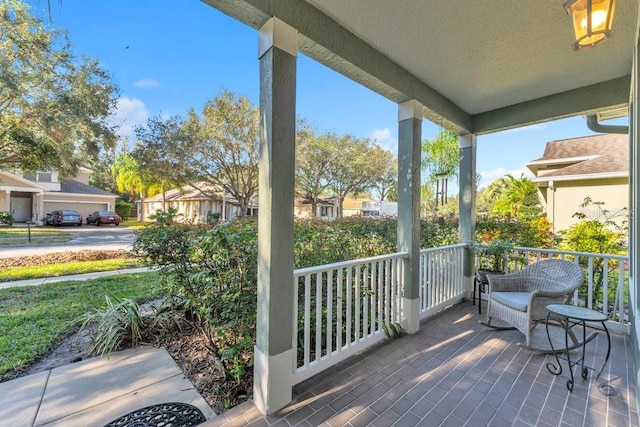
(409,149)
(467,202)
(274,355)
(634,205)
(7,201)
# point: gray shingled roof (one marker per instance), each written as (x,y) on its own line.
(71,186)
(189,192)
(609,152)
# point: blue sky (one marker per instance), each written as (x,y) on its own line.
(169,56)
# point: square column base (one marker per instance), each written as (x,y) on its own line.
(272,380)
(411,308)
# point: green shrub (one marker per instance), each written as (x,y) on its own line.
(112,325)
(123,209)
(6,219)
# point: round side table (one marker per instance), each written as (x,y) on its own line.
(569,316)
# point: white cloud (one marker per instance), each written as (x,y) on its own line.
(385,139)
(146,83)
(130,112)
(489,176)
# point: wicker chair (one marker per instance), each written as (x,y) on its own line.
(520,299)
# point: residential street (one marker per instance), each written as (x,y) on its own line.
(87,237)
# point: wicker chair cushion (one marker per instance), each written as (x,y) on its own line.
(516,300)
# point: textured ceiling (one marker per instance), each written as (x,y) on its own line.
(476,66)
(483,55)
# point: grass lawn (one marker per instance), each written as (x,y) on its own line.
(32,318)
(133,224)
(17,236)
(64,269)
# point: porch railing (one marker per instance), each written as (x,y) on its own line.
(341,308)
(441,277)
(345,307)
(606,287)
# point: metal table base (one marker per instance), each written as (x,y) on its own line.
(568,316)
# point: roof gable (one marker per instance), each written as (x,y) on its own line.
(602,156)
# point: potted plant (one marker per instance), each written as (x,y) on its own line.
(492,258)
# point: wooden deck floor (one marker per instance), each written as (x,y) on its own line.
(456,372)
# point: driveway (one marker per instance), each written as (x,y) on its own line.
(87,237)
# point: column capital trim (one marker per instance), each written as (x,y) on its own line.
(276,33)
(467,140)
(411,109)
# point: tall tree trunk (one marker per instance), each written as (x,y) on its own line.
(142,207)
(244,205)
(164,198)
(314,207)
(340,203)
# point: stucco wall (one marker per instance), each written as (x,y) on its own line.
(565,197)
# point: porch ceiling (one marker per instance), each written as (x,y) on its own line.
(476,66)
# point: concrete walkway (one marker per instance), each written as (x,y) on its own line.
(97,391)
(86,276)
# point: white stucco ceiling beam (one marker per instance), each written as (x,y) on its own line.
(324,40)
(582,101)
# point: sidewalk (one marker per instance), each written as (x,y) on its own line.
(86,276)
(97,391)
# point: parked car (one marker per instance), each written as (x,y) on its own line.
(64,217)
(104,217)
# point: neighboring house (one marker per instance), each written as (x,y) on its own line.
(353,206)
(200,203)
(32,196)
(572,169)
(326,208)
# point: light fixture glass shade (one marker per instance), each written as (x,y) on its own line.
(591,21)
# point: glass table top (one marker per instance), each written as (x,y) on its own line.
(579,313)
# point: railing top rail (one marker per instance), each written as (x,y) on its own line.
(439,248)
(560,252)
(343,264)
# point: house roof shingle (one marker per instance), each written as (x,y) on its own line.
(71,186)
(589,155)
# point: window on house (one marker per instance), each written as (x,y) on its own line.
(30,176)
(324,211)
(44,176)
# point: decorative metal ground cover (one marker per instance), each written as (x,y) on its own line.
(161,415)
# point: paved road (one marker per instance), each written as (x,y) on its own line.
(107,237)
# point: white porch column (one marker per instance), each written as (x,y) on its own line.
(467,202)
(274,355)
(6,202)
(634,205)
(409,167)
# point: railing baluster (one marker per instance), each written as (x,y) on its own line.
(339,296)
(605,286)
(358,303)
(589,282)
(318,316)
(329,345)
(307,318)
(348,338)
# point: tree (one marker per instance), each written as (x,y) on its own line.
(125,170)
(602,232)
(53,107)
(101,176)
(221,146)
(354,172)
(440,157)
(159,155)
(386,178)
(515,198)
(316,158)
